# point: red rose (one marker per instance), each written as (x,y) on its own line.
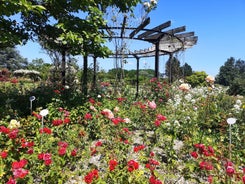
(194,154)
(4,154)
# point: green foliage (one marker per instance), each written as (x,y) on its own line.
(14,32)
(173,69)
(232,74)
(197,79)
(156,137)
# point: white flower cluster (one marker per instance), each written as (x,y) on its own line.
(237,106)
(150,5)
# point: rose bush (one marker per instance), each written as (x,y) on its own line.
(166,135)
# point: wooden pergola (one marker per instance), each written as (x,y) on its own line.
(163,42)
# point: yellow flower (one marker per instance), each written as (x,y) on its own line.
(14,124)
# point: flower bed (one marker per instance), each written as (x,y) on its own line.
(167,135)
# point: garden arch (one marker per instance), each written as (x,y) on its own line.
(164,42)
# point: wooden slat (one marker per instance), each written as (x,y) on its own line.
(176,30)
(154,37)
(141,26)
(155,29)
(183,35)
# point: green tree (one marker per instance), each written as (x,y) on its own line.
(40,66)
(186,70)
(11,59)
(197,79)
(227,73)
(232,74)
(12,31)
(172,69)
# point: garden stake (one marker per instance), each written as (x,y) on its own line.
(43,113)
(230,121)
(32,98)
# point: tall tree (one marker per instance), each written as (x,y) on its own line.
(172,69)
(11,59)
(227,73)
(186,70)
(232,74)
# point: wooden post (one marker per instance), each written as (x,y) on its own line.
(85,75)
(157,60)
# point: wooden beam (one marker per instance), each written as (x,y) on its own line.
(176,30)
(184,35)
(154,37)
(141,26)
(123,26)
(155,29)
(194,38)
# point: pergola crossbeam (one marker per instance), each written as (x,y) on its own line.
(155,29)
(176,30)
(140,27)
(184,35)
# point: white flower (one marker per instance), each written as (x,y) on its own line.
(146,4)
(99,96)
(239,102)
(44,112)
(185,87)
(210,79)
(116,109)
(14,124)
(231,121)
(127,120)
(154,2)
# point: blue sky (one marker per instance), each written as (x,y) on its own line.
(219,25)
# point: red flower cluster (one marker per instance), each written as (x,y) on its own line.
(206,166)
(229,168)
(3,154)
(205,150)
(57,122)
(159,118)
(121,99)
(38,116)
(46,157)
(152,164)
(88,116)
(74,152)
(11,181)
(13,133)
(45,130)
(92,101)
(28,145)
(98,143)
(138,148)
(4,130)
(17,169)
(153,180)
(94,174)
(112,164)
(117,120)
(62,148)
(132,165)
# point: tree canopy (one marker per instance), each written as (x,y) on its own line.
(11,59)
(59,24)
(232,74)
